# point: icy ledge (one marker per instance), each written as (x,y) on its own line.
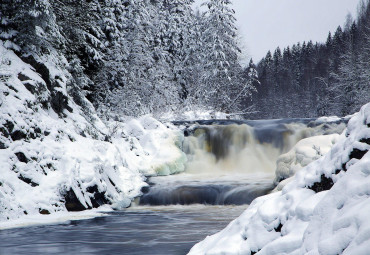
(324,210)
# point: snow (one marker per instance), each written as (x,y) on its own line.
(155,149)
(327,119)
(55,218)
(195,114)
(44,155)
(302,220)
(304,152)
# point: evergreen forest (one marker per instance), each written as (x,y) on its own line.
(135,57)
(318,79)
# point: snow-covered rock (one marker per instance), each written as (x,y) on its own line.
(324,210)
(154,149)
(57,156)
(304,152)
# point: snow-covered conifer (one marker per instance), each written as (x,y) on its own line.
(220,57)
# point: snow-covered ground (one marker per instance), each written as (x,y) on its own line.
(55,157)
(324,210)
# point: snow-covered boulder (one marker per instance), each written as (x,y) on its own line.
(324,210)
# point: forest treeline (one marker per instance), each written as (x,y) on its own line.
(132,57)
(321,79)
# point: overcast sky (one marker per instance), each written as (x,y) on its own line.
(266,24)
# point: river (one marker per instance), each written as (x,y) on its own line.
(230,164)
(141,230)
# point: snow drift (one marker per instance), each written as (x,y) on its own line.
(324,210)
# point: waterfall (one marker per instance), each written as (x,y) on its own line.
(231,162)
(248,147)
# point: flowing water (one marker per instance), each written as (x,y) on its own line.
(157,230)
(229,164)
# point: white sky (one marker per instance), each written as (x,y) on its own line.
(266,24)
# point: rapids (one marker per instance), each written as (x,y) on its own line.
(231,162)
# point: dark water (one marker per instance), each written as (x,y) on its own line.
(219,190)
(162,230)
(161,227)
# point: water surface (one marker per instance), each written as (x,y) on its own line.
(162,230)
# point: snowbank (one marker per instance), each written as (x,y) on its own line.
(324,210)
(55,218)
(304,152)
(56,156)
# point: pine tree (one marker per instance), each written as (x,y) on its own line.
(8,30)
(140,64)
(178,40)
(80,19)
(28,26)
(220,54)
(193,93)
(252,74)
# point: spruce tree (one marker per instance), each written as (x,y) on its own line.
(220,57)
